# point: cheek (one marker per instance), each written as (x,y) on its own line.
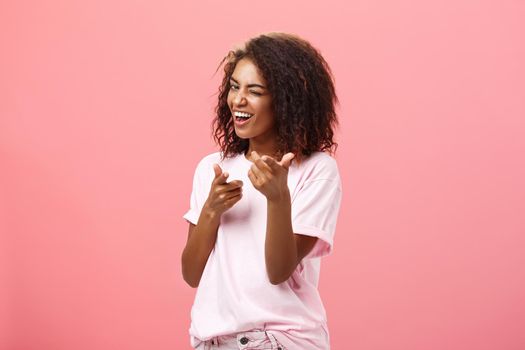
(270,115)
(266,108)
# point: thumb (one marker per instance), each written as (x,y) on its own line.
(287,160)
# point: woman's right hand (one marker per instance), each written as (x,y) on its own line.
(223,195)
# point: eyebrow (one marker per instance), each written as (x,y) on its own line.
(249,85)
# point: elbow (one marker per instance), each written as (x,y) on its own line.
(278,274)
(192,282)
(276,279)
(193,285)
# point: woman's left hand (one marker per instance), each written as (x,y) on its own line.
(269,176)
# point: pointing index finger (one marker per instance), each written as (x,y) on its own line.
(220,176)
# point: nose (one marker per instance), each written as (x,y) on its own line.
(239,98)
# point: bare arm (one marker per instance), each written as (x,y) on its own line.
(284,250)
(201,240)
(202,237)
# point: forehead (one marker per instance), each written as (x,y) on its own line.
(246,71)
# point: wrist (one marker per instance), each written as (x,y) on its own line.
(280,199)
(210,214)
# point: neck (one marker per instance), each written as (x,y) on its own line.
(268,149)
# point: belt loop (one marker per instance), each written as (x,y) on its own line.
(272,339)
(214,341)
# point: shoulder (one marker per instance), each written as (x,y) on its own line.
(319,166)
(209,159)
(205,163)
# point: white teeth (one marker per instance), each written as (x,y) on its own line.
(242,114)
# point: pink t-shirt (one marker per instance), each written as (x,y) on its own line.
(234,293)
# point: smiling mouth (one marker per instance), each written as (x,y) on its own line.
(242,116)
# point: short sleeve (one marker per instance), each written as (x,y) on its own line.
(199,192)
(314,213)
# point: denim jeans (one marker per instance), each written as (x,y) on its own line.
(257,339)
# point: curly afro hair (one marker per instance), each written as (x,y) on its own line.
(301,86)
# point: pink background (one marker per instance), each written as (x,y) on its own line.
(105,109)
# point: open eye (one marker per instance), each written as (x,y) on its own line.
(234,87)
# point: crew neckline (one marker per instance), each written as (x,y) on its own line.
(246,160)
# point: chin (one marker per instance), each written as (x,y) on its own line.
(241,135)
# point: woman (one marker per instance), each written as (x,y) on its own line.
(255,242)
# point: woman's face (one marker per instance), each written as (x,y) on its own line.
(249,97)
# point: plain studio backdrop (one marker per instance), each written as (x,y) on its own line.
(105,110)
